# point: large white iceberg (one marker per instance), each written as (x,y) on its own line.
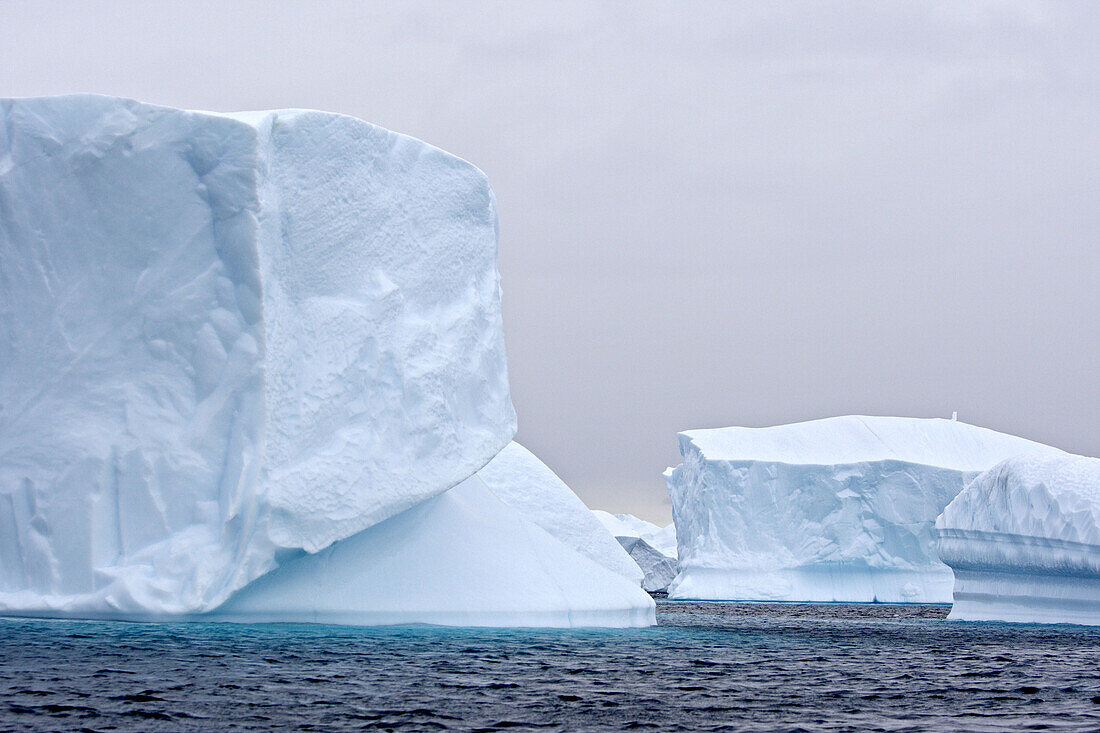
(519,479)
(840,509)
(231,344)
(1024,542)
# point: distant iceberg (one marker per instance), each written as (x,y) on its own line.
(1024,542)
(658,568)
(652,548)
(234,346)
(840,509)
(662,539)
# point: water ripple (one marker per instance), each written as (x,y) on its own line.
(707,667)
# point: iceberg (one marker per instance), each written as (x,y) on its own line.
(519,479)
(464,558)
(662,539)
(658,568)
(840,509)
(226,340)
(1023,540)
(652,548)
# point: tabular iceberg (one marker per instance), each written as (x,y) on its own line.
(840,509)
(1024,542)
(519,479)
(229,342)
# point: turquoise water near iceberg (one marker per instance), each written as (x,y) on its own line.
(707,666)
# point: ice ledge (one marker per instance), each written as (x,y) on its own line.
(815,584)
(986,595)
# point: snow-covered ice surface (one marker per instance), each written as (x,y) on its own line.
(464,558)
(226,340)
(1024,541)
(840,509)
(658,568)
(519,479)
(662,539)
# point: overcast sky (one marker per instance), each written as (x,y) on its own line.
(711,214)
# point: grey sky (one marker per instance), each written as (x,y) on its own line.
(711,214)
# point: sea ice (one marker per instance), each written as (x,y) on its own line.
(526,484)
(840,509)
(1023,539)
(225,341)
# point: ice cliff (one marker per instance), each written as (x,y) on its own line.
(840,509)
(1023,540)
(229,342)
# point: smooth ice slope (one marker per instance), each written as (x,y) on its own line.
(840,509)
(464,558)
(1024,541)
(519,479)
(662,539)
(225,340)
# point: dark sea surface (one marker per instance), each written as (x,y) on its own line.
(707,666)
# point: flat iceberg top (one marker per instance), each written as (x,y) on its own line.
(1056,498)
(861,439)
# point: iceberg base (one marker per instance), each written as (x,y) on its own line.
(819,584)
(463,558)
(982,595)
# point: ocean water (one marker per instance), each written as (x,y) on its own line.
(707,666)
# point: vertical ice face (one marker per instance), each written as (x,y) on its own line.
(1023,540)
(225,339)
(838,509)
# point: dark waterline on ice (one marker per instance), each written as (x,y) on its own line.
(706,667)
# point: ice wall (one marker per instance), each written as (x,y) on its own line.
(1023,540)
(840,509)
(226,340)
